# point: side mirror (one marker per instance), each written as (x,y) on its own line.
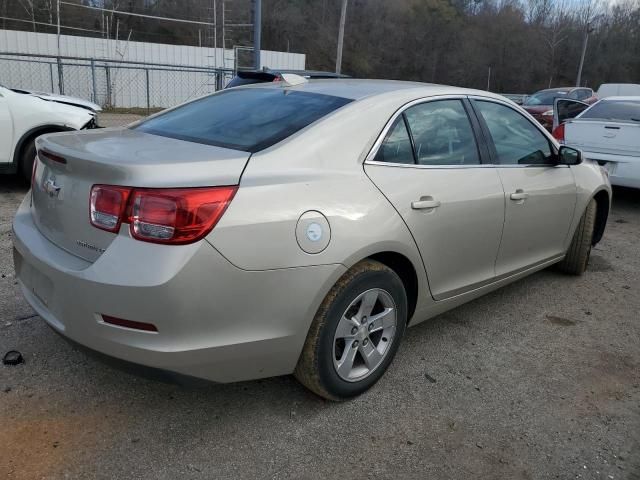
(569,156)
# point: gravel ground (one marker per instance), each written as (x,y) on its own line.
(538,380)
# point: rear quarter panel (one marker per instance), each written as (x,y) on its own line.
(318,169)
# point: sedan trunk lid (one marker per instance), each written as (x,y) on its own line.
(69,164)
(604,136)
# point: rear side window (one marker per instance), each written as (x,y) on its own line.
(614,110)
(247,119)
(396,147)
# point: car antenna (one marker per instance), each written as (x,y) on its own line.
(291,79)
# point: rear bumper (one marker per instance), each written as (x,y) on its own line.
(214,320)
(623,170)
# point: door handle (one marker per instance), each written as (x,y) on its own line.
(425,203)
(519,195)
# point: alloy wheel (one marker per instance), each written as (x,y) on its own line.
(364,335)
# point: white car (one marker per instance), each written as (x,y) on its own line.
(607,131)
(25,115)
(618,90)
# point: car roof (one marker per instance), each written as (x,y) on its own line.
(557,89)
(357,89)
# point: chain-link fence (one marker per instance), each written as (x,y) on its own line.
(114,85)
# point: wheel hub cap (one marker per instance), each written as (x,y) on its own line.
(364,335)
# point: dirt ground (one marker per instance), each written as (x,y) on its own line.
(538,380)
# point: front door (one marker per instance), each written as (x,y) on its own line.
(565,109)
(540,196)
(429,167)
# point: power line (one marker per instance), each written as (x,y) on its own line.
(154,17)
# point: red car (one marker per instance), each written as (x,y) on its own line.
(540,104)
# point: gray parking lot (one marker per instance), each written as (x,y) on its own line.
(538,380)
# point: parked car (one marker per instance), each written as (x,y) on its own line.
(517,98)
(619,90)
(248,77)
(269,230)
(25,115)
(65,99)
(608,132)
(540,104)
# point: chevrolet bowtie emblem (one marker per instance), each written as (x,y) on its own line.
(51,188)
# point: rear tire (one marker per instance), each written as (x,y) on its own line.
(26,161)
(577,258)
(355,333)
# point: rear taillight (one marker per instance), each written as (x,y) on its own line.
(174,216)
(558,133)
(108,204)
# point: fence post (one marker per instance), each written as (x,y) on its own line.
(146,72)
(107,73)
(93,81)
(60,77)
(219,80)
(51,77)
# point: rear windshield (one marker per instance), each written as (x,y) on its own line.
(614,110)
(248,119)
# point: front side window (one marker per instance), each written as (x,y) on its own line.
(442,133)
(396,147)
(517,141)
(247,119)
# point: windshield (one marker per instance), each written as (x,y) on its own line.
(626,110)
(247,119)
(545,97)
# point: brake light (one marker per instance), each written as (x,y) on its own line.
(108,205)
(53,157)
(558,133)
(175,216)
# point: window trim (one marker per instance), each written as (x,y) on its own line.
(483,150)
(493,153)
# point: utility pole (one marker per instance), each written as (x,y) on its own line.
(584,52)
(58,13)
(60,74)
(257,27)
(343,18)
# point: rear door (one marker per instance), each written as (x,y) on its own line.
(429,166)
(540,196)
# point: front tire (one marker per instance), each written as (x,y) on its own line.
(577,258)
(355,333)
